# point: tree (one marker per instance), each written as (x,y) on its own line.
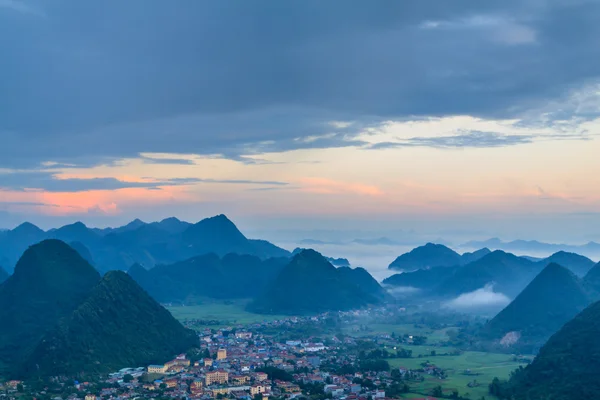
(20,388)
(437,391)
(127,378)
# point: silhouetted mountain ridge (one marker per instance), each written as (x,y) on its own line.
(310,284)
(149,244)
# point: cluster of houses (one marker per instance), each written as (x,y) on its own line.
(240,364)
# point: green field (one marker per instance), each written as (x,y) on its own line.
(433,336)
(227,312)
(483,368)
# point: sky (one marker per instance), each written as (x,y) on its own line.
(453,118)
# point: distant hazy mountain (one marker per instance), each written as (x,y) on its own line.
(50,281)
(422,278)
(509,274)
(309,284)
(525,246)
(567,365)
(338,262)
(429,255)
(434,255)
(118,325)
(555,296)
(220,236)
(576,263)
(382,241)
(3,275)
(313,242)
(149,244)
(232,276)
(14,242)
(467,258)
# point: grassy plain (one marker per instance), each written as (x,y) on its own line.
(225,312)
(470,366)
(433,335)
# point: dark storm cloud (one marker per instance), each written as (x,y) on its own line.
(47,181)
(83,82)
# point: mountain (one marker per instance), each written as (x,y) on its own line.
(3,275)
(118,325)
(149,244)
(83,251)
(361,278)
(231,276)
(421,278)
(310,284)
(429,255)
(338,262)
(533,246)
(551,299)
(509,274)
(578,264)
(591,281)
(49,282)
(467,258)
(14,242)
(220,236)
(172,225)
(567,365)
(76,232)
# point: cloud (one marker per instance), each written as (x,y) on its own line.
(466,139)
(480,298)
(152,83)
(54,182)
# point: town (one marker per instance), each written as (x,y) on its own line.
(267,360)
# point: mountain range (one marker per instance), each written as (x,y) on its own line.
(230,276)
(148,244)
(509,273)
(553,297)
(60,317)
(566,367)
(309,283)
(533,246)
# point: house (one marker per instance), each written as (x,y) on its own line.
(243,335)
(314,347)
(171,383)
(208,362)
(90,397)
(157,369)
(221,354)
(240,379)
(261,376)
(259,388)
(218,376)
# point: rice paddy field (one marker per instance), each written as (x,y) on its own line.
(224,313)
(473,367)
